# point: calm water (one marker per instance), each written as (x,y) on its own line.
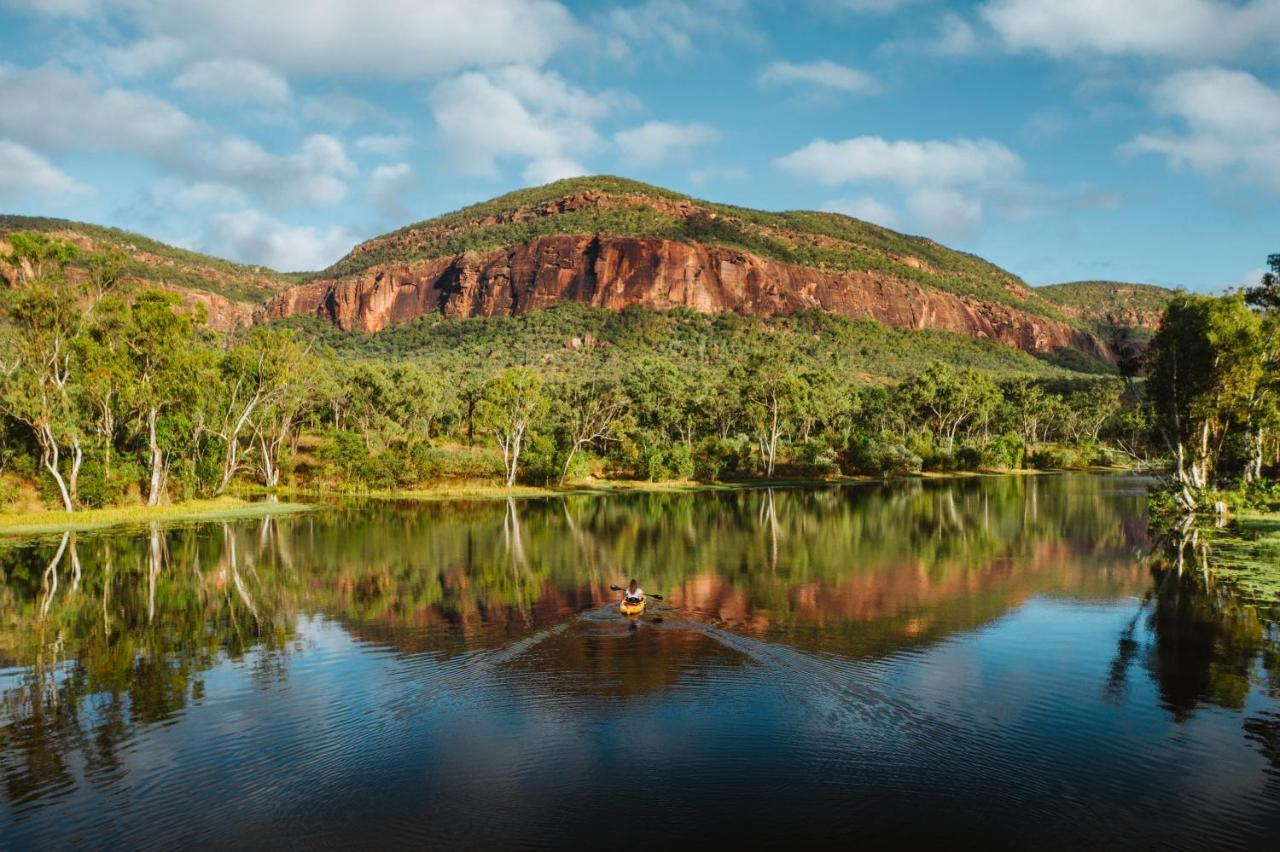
(980,662)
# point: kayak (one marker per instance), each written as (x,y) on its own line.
(630,608)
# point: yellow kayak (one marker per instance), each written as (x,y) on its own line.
(630,608)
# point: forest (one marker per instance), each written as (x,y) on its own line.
(114,395)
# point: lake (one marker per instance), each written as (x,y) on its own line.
(986,661)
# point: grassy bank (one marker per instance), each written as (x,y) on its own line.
(222,508)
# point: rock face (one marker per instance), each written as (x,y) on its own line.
(620,272)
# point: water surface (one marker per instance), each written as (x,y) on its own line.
(976,662)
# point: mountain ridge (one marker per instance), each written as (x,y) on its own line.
(613,242)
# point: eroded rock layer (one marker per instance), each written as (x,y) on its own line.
(619,272)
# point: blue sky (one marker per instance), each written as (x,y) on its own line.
(1120,139)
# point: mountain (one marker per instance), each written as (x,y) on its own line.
(1104,305)
(616,243)
(231,293)
(612,243)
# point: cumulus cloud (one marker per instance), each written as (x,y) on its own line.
(823,74)
(657,142)
(944,182)
(396,39)
(905,162)
(1232,126)
(864,207)
(23,171)
(519,114)
(233,80)
(252,236)
(388,184)
(384,145)
(54,109)
(1156,28)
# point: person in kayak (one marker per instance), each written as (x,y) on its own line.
(633,594)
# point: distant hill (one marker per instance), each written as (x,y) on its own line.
(231,292)
(1103,305)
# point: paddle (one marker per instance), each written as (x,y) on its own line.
(646,594)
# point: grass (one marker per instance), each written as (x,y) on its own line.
(222,508)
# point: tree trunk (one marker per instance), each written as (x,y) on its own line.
(157,458)
(50,457)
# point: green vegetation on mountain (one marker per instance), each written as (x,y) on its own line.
(152,261)
(1109,308)
(619,207)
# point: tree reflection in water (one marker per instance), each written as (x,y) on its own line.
(104,634)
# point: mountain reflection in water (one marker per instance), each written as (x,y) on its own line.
(990,655)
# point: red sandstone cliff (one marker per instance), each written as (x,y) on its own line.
(618,272)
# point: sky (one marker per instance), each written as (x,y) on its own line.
(1133,140)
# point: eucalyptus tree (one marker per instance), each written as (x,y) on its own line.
(593,413)
(43,316)
(512,403)
(160,339)
(1205,366)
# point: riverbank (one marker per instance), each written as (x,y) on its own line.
(473,490)
(221,508)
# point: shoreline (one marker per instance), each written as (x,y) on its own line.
(220,508)
(251,501)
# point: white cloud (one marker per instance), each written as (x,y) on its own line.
(233,80)
(823,74)
(251,236)
(383,144)
(1158,28)
(864,207)
(656,142)
(517,114)
(548,170)
(143,57)
(944,183)
(24,171)
(974,162)
(395,39)
(177,195)
(676,25)
(944,213)
(1232,126)
(50,108)
(388,184)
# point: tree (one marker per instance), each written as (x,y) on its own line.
(1204,369)
(946,400)
(159,338)
(294,375)
(44,317)
(772,398)
(512,402)
(594,411)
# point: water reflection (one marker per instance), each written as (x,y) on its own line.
(105,636)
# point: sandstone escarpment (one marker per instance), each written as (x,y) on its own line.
(620,272)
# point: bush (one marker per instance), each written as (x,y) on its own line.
(968,458)
(715,457)
(872,457)
(815,456)
(1004,453)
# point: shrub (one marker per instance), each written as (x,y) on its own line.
(872,457)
